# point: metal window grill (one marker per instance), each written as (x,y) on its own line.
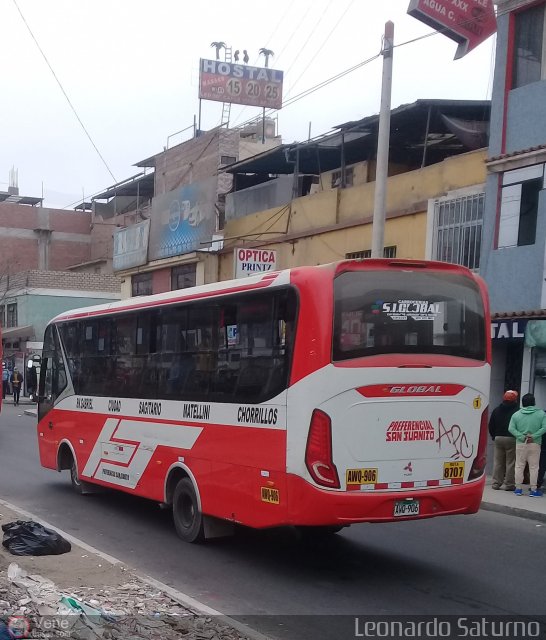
(457,232)
(388,252)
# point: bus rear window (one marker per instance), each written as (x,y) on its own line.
(380,312)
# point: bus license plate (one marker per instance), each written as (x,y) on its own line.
(453,470)
(270,495)
(406,508)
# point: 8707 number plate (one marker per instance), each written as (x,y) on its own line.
(406,508)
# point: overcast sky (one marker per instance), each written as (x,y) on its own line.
(130,68)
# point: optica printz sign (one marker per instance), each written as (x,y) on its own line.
(240,84)
(468,22)
(251,262)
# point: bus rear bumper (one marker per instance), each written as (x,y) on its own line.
(312,506)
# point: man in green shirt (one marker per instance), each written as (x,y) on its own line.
(527,426)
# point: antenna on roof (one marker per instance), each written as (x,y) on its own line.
(13,188)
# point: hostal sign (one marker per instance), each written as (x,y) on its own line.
(240,84)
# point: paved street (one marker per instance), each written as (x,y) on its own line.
(484,564)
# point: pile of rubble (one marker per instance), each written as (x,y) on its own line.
(32,606)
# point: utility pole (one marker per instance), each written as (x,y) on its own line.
(383,137)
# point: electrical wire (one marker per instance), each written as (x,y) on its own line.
(278,56)
(63,90)
(311,34)
(323,44)
(320,85)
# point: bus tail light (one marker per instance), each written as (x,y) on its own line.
(478,466)
(318,453)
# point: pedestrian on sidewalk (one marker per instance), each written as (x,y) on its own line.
(527,425)
(542,464)
(505,443)
(16,383)
(5,381)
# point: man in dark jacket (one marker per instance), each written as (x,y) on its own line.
(505,443)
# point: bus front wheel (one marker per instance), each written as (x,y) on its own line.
(188,519)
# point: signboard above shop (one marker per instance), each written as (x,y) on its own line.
(468,22)
(240,84)
(252,262)
(131,246)
(508,329)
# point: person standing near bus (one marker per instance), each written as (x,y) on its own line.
(528,425)
(5,381)
(16,383)
(505,443)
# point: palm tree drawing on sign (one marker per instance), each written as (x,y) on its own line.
(266,53)
(218,46)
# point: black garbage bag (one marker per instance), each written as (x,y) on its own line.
(28,538)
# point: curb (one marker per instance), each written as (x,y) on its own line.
(31,412)
(513,511)
(194,606)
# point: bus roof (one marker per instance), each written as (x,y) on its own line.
(276,278)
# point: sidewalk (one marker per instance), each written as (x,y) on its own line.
(85,595)
(507,502)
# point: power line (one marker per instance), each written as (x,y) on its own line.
(278,56)
(62,89)
(311,34)
(320,85)
(323,43)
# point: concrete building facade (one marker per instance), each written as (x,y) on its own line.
(514,246)
(32,298)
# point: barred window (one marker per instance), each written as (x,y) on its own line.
(337,176)
(457,232)
(388,252)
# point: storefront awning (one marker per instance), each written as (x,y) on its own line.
(18,332)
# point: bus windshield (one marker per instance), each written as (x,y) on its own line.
(425,312)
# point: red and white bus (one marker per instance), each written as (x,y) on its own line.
(316,396)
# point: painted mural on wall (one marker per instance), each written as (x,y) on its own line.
(183,220)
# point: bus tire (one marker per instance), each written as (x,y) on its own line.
(79,486)
(188,519)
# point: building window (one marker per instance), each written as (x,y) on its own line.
(227,159)
(349,177)
(528,47)
(183,277)
(388,252)
(11,320)
(2,316)
(519,206)
(141,284)
(457,234)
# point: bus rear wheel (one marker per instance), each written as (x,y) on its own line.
(188,519)
(79,486)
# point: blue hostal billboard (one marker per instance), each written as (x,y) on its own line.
(183,220)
